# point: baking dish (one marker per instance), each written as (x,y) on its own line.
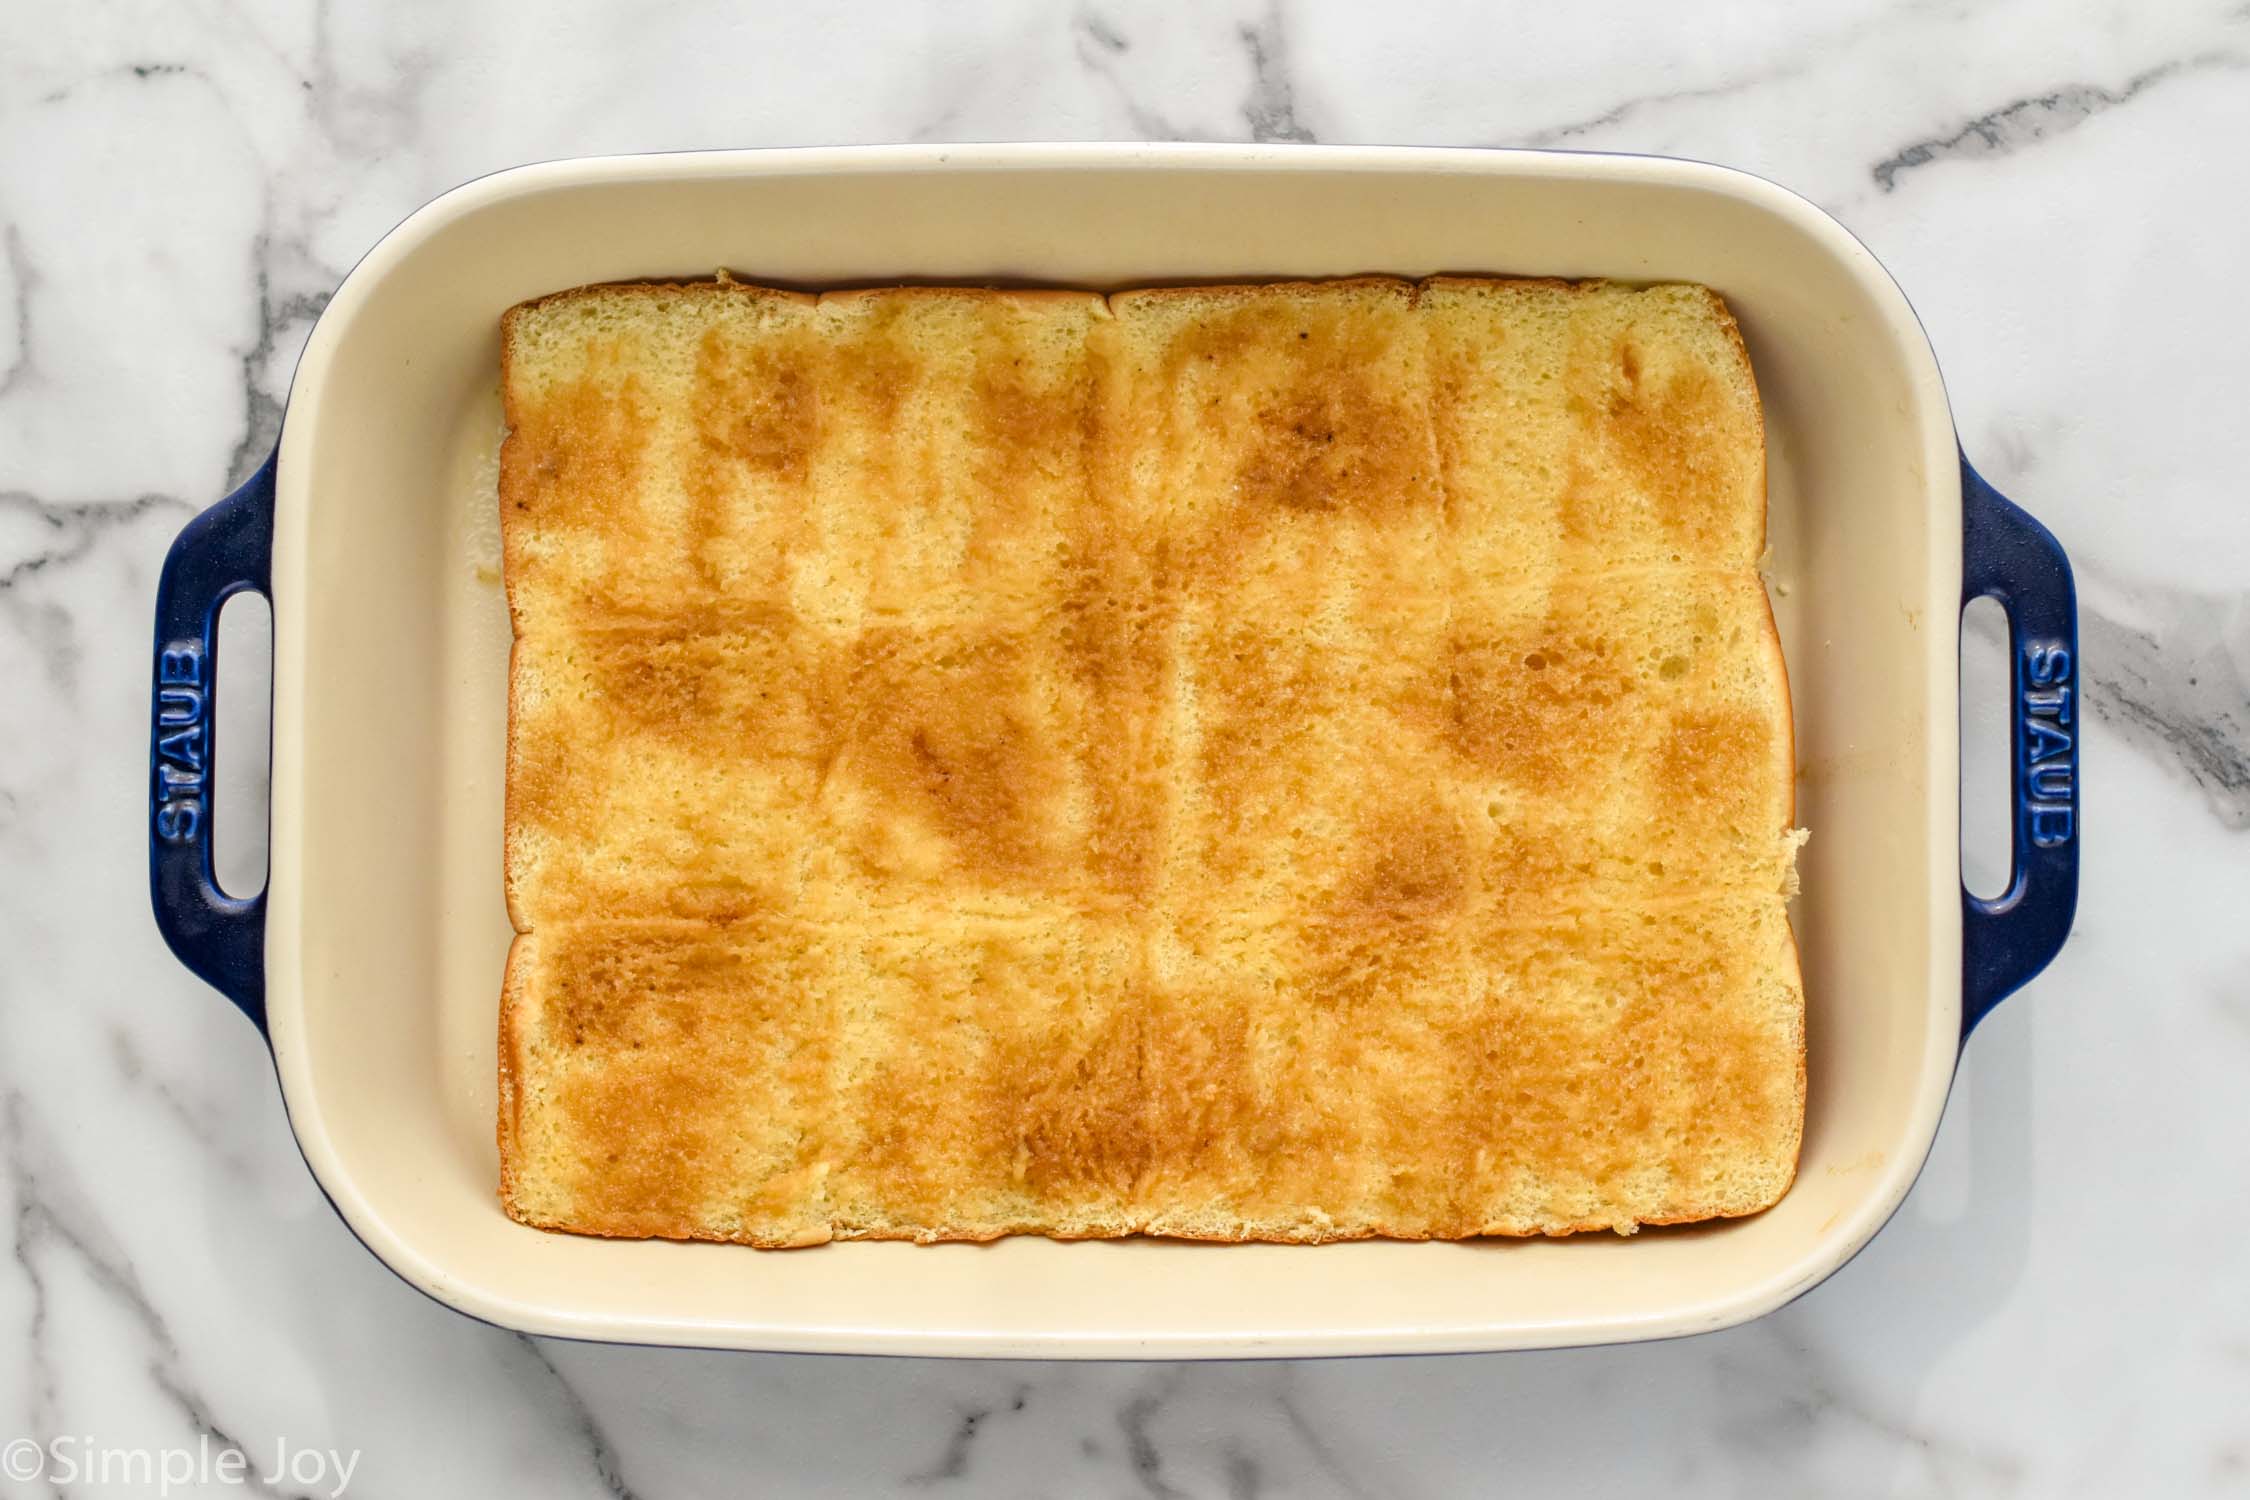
(373,958)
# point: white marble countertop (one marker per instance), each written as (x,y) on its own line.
(2062,1307)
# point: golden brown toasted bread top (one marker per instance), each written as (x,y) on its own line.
(1296,760)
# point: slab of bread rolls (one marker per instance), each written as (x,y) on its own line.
(1282,762)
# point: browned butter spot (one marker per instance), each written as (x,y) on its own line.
(1006,1067)
(757,405)
(1414,867)
(1704,761)
(572,454)
(1676,438)
(1540,706)
(1332,445)
(663,1029)
(1599,1053)
(944,729)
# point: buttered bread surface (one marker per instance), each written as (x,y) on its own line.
(1290,762)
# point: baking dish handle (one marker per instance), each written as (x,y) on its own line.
(222,552)
(2009,557)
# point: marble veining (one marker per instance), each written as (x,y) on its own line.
(2027,121)
(53,1223)
(1271,109)
(183,186)
(20,278)
(1268,110)
(2173,681)
(580,1420)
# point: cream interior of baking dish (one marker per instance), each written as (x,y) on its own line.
(386,926)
